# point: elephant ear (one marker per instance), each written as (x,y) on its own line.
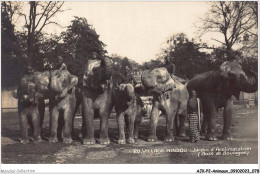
(107,64)
(127,90)
(73,81)
(225,68)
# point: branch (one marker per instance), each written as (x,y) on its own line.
(26,23)
(42,14)
(246,47)
(235,28)
(211,48)
(48,17)
(251,32)
(52,22)
(218,41)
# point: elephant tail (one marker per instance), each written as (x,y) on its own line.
(186,83)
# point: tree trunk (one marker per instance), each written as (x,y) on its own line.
(31,33)
(229,53)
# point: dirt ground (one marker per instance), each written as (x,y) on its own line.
(243,149)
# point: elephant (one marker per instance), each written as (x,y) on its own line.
(170,97)
(31,104)
(128,111)
(62,104)
(215,89)
(97,98)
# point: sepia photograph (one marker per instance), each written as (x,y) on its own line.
(172,82)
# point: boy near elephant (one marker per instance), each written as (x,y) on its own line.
(194,110)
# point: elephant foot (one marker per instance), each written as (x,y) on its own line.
(89,141)
(203,132)
(67,140)
(131,140)
(136,137)
(25,141)
(211,137)
(227,137)
(182,134)
(122,141)
(75,136)
(152,139)
(169,139)
(53,140)
(104,141)
(37,140)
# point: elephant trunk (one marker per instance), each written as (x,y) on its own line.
(249,84)
(108,67)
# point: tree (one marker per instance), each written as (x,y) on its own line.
(78,42)
(153,64)
(185,54)
(40,15)
(233,19)
(10,49)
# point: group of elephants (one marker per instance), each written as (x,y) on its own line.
(100,94)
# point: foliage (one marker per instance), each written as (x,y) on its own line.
(185,54)
(10,50)
(153,64)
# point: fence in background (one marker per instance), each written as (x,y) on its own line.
(9,103)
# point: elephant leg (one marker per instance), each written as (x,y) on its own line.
(169,125)
(153,122)
(210,113)
(88,118)
(126,124)
(24,127)
(204,126)
(121,128)
(67,126)
(138,120)
(41,107)
(73,133)
(131,122)
(36,126)
(54,116)
(227,115)
(181,130)
(104,127)
(60,125)
(176,125)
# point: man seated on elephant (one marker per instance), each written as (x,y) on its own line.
(60,65)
